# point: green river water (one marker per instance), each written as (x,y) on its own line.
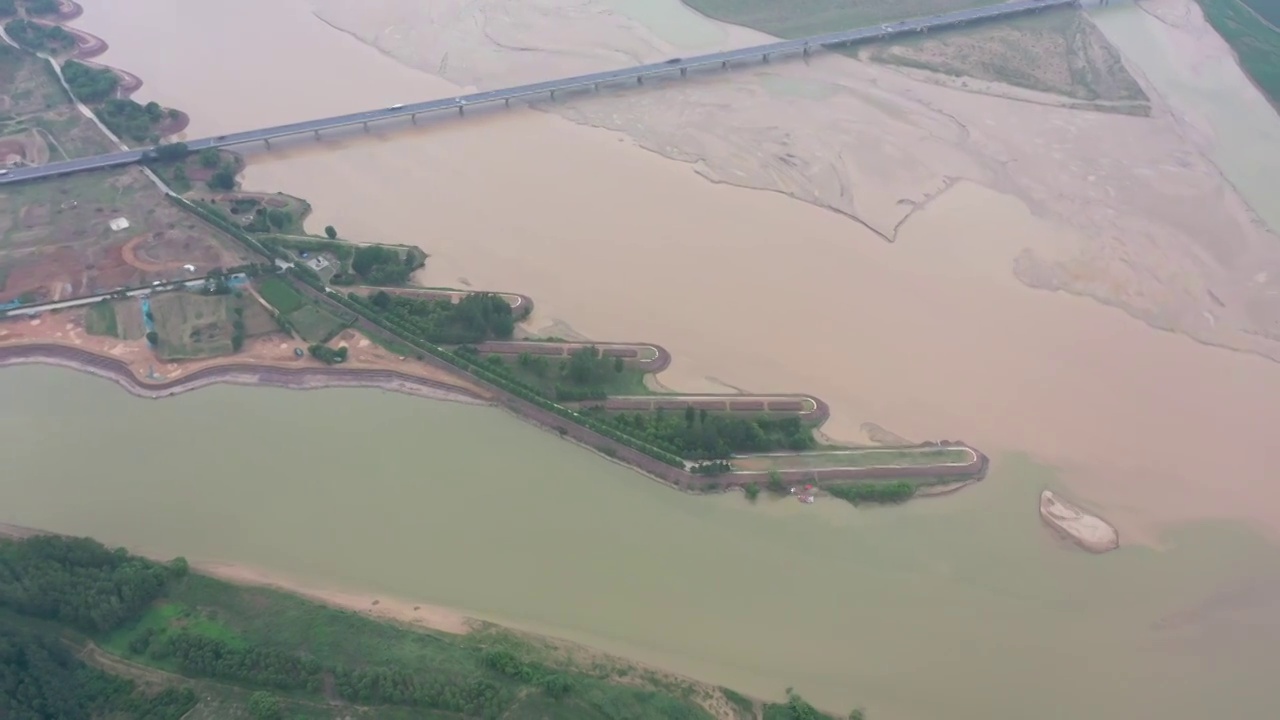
(959,607)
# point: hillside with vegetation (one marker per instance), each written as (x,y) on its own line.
(261,653)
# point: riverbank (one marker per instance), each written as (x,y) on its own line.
(201,625)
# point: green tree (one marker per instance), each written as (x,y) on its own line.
(582,365)
(857,714)
(209,158)
(153,337)
(171,151)
(775,484)
(224,179)
(265,706)
(752,490)
(618,365)
(331,232)
(381,300)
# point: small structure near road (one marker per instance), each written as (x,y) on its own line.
(118,224)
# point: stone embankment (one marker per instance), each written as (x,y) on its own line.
(232,373)
(646,356)
(1088,531)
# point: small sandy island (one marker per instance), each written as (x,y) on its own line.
(1088,531)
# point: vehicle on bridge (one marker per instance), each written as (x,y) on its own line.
(397,106)
(674,61)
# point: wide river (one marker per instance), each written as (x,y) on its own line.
(955,607)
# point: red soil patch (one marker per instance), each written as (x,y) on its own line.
(275,202)
(128,252)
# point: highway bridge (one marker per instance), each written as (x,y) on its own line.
(549,88)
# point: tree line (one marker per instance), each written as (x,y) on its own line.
(474,319)
(90,84)
(700,435)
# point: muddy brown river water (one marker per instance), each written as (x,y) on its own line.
(959,606)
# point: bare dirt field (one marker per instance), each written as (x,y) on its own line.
(56,241)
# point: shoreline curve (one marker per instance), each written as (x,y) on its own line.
(240,373)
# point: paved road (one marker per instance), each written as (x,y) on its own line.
(91,299)
(550,87)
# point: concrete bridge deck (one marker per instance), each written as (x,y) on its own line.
(799,46)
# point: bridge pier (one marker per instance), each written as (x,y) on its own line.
(460,112)
(639,79)
(684,72)
(266,142)
(595,87)
(317,134)
(413,118)
(366,125)
(806,51)
(724,64)
(553,94)
(765,57)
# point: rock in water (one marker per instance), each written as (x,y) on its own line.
(1088,531)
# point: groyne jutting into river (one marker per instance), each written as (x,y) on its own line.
(570,419)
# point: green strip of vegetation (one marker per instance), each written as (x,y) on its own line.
(898,491)
(1256,44)
(800,18)
(100,319)
(586,374)
(90,84)
(700,435)
(280,295)
(284,647)
(38,37)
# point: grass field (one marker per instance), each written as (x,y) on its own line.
(868,457)
(314,323)
(192,326)
(798,18)
(311,321)
(1059,52)
(1255,42)
(267,619)
(280,295)
(33,103)
(100,319)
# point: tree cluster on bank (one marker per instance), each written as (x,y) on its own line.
(79,582)
(90,84)
(474,319)
(328,355)
(132,120)
(39,37)
(700,435)
(381,265)
(874,492)
(40,679)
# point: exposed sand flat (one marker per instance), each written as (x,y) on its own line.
(436,618)
(1148,225)
(1088,531)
